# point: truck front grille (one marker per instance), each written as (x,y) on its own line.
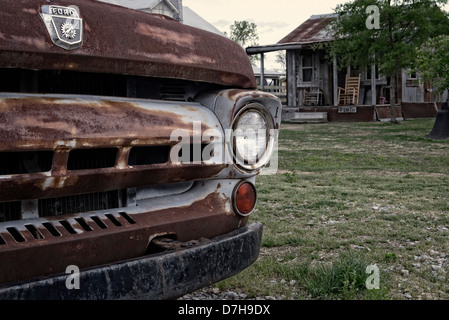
(79,203)
(26,167)
(99,84)
(10,211)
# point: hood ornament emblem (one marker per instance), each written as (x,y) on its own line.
(64,26)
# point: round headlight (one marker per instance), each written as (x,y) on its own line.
(252,137)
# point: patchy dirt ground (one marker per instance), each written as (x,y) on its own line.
(375,190)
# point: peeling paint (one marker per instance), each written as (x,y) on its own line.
(48,183)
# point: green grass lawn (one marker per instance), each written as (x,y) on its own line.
(349,195)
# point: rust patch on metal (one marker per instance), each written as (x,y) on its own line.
(237,94)
(167,37)
(170,244)
(50,123)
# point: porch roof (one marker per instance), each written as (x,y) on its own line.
(313,30)
(273,47)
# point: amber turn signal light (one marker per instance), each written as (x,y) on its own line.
(245,198)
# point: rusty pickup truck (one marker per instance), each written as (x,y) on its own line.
(129,148)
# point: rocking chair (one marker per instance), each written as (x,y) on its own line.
(350,94)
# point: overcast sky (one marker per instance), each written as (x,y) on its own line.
(274,18)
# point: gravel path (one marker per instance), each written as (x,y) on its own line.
(211,293)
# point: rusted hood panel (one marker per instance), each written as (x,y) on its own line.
(122,41)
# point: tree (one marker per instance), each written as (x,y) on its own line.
(432,62)
(281,60)
(389,39)
(245,34)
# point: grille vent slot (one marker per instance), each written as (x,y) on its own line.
(87,159)
(175,91)
(68,226)
(113,220)
(51,228)
(82,222)
(25,162)
(127,217)
(34,231)
(16,234)
(99,222)
(10,211)
(79,203)
(193,156)
(148,155)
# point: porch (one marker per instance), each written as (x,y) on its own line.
(360,113)
(313,80)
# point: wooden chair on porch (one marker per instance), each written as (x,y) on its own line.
(350,94)
(313,96)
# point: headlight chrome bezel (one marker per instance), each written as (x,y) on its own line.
(249,165)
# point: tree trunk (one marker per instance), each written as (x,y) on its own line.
(393,98)
(440,130)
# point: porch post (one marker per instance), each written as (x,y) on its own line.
(291,78)
(373,85)
(262,71)
(335,79)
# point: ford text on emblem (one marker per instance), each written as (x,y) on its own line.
(64,26)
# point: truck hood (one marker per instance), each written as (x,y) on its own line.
(121,41)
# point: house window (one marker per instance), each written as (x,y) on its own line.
(307,68)
(412,79)
(412,75)
(368,73)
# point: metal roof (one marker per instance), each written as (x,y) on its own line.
(314,30)
(267,73)
(192,19)
(139,4)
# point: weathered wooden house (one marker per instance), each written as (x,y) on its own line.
(314,78)
(309,71)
